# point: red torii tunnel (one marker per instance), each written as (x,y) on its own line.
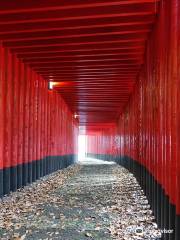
(112,67)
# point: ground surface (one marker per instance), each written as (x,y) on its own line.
(88,201)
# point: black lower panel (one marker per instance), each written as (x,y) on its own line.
(177,233)
(18,176)
(172,220)
(1,182)
(163,210)
(13,178)
(6,181)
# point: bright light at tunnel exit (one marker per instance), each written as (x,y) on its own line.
(81,147)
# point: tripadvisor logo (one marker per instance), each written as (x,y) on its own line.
(139,230)
(166,231)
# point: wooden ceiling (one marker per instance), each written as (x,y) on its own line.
(93,49)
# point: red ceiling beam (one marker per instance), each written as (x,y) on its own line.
(73,14)
(76,24)
(9,32)
(88,74)
(87,109)
(102,82)
(62,61)
(94,49)
(120,87)
(90,91)
(76,81)
(80,40)
(90,70)
(93,104)
(82,47)
(22,6)
(76,78)
(79,59)
(113,52)
(76,33)
(73,37)
(121,66)
(99,90)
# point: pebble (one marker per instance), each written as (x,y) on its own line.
(100,202)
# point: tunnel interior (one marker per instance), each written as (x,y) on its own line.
(105,70)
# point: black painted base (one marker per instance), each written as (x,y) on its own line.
(18,176)
(6,180)
(1,182)
(13,178)
(163,210)
(177,232)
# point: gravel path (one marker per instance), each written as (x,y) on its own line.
(86,201)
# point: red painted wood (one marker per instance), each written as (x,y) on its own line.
(178,119)
(31,124)
(114,62)
(148,128)
(2,105)
(26,115)
(8,109)
(14,137)
(93,41)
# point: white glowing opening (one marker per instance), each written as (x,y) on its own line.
(81,147)
(51,84)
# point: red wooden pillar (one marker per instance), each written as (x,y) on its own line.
(177,227)
(36,127)
(167,89)
(20,85)
(44,124)
(55,131)
(160,121)
(173,73)
(2,118)
(30,133)
(51,120)
(162,36)
(59,133)
(25,125)
(47,107)
(8,121)
(15,124)
(33,116)
(39,123)
(49,133)
(62,131)
(38,112)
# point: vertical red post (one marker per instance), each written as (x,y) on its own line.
(26,124)
(33,116)
(43,119)
(8,119)
(178,131)
(30,132)
(39,157)
(14,138)
(2,118)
